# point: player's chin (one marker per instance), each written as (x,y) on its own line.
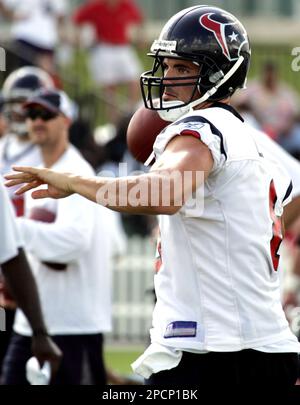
(39,132)
(38,137)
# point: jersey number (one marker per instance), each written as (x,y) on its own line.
(276,227)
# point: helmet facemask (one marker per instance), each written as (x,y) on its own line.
(17,88)
(16,118)
(206,83)
(153,85)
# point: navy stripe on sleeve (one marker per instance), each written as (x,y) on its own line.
(214,130)
(288,191)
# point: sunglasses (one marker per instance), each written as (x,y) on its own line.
(43,114)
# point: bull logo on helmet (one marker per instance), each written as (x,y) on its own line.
(221,32)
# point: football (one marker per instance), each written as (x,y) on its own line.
(142,131)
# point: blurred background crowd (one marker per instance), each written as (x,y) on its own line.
(95,50)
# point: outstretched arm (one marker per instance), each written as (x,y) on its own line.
(179,172)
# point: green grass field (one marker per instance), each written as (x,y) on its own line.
(119,359)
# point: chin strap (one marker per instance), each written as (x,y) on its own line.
(150,159)
(174,113)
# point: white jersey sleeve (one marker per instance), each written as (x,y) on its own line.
(10,236)
(283,187)
(195,125)
(274,152)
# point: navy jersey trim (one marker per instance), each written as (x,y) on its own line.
(288,191)
(214,130)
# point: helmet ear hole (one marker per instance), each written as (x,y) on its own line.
(215,77)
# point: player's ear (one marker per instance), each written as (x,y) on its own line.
(67,122)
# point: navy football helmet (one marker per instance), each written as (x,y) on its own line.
(17,88)
(211,38)
(23,82)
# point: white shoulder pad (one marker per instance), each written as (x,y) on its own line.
(199,127)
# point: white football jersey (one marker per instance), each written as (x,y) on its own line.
(218,286)
(10,239)
(14,151)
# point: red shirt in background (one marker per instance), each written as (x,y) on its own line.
(110,22)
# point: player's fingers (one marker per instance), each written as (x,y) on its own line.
(25,177)
(16,182)
(37,194)
(11,183)
(26,169)
(27,187)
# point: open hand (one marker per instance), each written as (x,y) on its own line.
(59,184)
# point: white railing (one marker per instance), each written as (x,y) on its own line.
(133,297)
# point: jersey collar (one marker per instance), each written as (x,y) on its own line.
(228,108)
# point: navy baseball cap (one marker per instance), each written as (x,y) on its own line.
(55,101)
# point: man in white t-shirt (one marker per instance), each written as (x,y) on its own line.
(218,313)
(17,273)
(69,249)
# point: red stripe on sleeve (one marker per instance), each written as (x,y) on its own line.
(190,132)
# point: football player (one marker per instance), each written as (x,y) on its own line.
(16,147)
(218,312)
